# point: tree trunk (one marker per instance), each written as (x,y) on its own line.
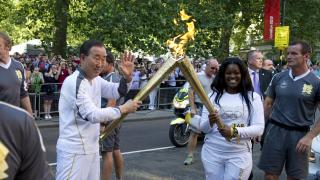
(226,30)
(61,24)
(224,45)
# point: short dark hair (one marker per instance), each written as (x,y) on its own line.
(7,39)
(251,52)
(87,45)
(110,58)
(306,48)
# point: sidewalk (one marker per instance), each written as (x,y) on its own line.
(145,115)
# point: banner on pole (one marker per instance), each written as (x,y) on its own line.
(271,18)
(281,40)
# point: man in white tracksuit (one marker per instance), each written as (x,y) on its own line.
(81,115)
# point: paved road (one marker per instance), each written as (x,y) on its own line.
(154,164)
(134,136)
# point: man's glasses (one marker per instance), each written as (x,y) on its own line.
(214,68)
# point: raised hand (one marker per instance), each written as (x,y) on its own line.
(127,65)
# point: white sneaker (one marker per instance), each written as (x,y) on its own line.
(46,116)
(49,116)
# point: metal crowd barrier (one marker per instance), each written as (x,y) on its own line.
(163,99)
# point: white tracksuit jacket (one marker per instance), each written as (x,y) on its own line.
(80,113)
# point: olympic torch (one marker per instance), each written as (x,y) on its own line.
(177,45)
(162,73)
(187,68)
(191,76)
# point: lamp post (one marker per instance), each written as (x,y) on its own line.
(282,11)
(282,15)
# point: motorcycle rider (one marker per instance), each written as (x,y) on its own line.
(206,78)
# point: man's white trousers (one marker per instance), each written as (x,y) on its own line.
(77,166)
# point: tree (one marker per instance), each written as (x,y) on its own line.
(303,17)
(60,24)
(37,16)
(221,25)
(130,24)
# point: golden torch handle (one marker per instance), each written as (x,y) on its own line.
(162,73)
(191,76)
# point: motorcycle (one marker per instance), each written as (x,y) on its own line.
(179,128)
(179,131)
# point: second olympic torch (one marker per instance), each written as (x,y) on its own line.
(190,75)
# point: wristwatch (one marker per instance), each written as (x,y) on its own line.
(234,132)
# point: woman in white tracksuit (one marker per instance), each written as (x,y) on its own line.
(241,111)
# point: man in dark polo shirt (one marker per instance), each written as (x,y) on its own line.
(292,98)
(21,148)
(13,86)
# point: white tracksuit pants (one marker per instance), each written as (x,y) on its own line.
(226,166)
(77,166)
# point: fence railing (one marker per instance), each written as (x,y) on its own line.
(160,98)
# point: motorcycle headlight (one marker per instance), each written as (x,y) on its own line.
(185,103)
(180,105)
(175,103)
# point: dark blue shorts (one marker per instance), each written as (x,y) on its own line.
(279,150)
(111,142)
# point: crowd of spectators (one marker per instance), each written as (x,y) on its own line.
(45,76)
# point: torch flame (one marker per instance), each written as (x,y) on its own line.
(177,44)
(184,16)
(175,22)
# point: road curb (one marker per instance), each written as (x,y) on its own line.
(140,117)
(169,117)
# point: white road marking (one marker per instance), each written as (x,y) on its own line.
(148,150)
(134,152)
(52,164)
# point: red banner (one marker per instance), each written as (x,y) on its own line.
(271,18)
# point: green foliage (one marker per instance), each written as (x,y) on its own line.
(146,25)
(37,16)
(133,24)
(303,17)
(7,22)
